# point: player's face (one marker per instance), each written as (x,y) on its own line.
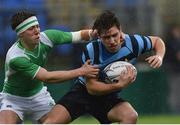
(112,39)
(31,35)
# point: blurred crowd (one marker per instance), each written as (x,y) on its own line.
(173,65)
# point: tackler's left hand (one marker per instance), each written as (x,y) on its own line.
(90,71)
(155,61)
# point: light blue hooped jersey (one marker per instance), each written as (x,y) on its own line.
(133,46)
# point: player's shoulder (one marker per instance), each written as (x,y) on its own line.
(92,45)
(130,36)
(93,42)
(133,38)
(14,52)
(44,38)
(51,37)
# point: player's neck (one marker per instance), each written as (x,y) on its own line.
(29,47)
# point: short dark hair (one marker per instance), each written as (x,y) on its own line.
(19,17)
(105,21)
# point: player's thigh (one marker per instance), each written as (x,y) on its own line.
(11,108)
(121,111)
(41,104)
(57,115)
(9,117)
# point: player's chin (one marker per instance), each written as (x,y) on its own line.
(36,41)
(113,49)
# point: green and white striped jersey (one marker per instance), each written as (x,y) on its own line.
(21,65)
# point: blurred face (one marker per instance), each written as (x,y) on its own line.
(31,36)
(112,39)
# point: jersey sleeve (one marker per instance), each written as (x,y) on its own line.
(144,43)
(24,66)
(140,44)
(59,37)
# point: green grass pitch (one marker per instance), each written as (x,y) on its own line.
(153,119)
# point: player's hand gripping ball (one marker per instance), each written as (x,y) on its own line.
(115,69)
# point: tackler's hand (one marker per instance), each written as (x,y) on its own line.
(89,70)
(93,34)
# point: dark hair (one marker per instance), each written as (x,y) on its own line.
(19,17)
(105,21)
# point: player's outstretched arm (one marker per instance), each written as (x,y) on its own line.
(59,76)
(158,45)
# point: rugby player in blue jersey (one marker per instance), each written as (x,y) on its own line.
(93,95)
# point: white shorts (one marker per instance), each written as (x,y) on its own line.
(35,106)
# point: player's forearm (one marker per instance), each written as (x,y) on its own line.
(59,76)
(100,88)
(159,47)
(82,35)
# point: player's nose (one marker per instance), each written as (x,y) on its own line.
(112,40)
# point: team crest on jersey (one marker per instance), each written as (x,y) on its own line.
(44,56)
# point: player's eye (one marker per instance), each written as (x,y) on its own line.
(115,35)
(31,28)
(106,37)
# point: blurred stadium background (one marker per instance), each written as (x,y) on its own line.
(155,92)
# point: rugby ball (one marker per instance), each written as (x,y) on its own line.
(115,69)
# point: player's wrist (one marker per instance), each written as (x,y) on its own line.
(80,72)
(118,85)
(160,57)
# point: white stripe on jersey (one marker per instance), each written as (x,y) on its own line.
(44,39)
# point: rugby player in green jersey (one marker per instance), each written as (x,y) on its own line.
(24,90)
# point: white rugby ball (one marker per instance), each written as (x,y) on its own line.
(114,70)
